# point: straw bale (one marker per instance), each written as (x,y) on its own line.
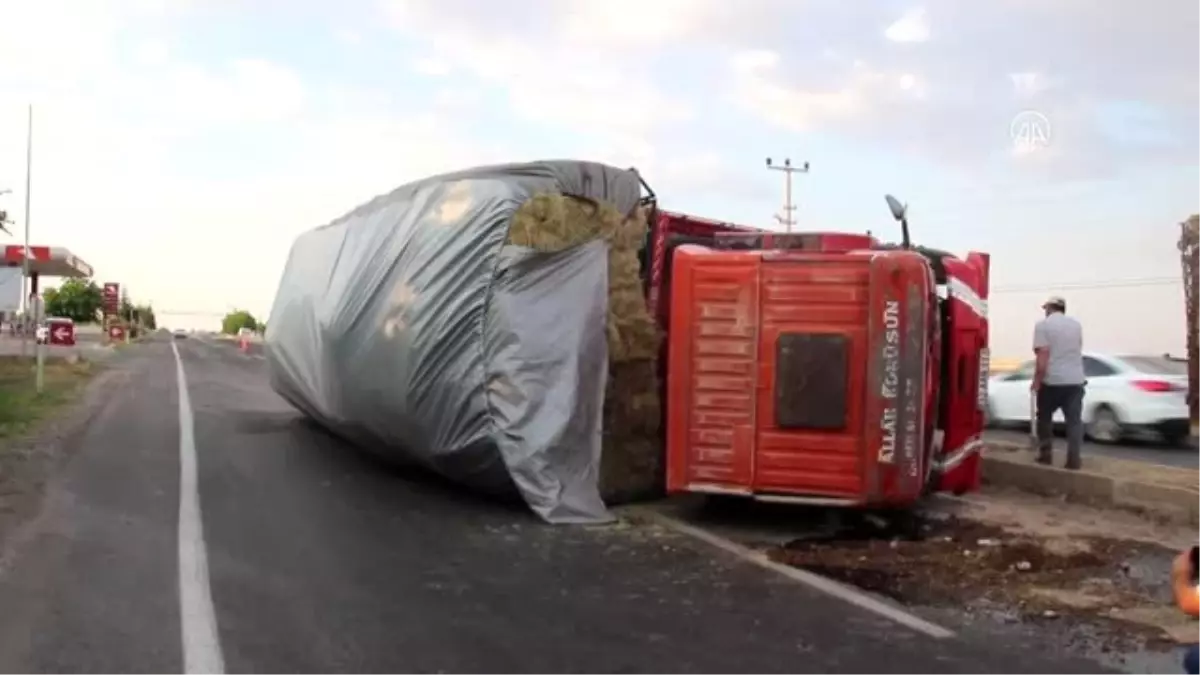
(632,464)
(553,222)
(632,461)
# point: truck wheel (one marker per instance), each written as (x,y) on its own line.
(1105,426)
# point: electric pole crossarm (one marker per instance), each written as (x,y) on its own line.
(789,209)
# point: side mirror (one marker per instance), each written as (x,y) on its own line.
(898,210)
(900,213)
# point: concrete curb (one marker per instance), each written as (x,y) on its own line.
(1168,501)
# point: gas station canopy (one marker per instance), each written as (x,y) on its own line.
(48,261)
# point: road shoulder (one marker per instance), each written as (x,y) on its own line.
(87,574)
(32,452)
(1162,492)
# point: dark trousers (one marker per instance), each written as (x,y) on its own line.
(1069,399)
(1191,659)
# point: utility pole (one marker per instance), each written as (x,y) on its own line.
(25,286)
(38,309)
(789,210)
(1189,253)
(32,304)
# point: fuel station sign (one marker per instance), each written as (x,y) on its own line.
(112,298)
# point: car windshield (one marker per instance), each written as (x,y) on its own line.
(1156,365)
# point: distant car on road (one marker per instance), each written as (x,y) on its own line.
(1124,396)
(180,334)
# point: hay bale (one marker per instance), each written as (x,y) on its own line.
(632,465)
(632,462)
(554,222)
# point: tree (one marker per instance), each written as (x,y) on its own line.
(237,320)
(145,315)
(125,309)
(77,299)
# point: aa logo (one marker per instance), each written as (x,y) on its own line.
(1030,130)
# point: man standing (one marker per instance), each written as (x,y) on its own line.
(1058,380)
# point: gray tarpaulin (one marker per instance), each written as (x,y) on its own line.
(409,327)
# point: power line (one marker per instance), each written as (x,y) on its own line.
(1142,282)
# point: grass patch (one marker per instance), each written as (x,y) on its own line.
(21,407)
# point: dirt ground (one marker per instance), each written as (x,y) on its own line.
(1027,557)
(1056,518)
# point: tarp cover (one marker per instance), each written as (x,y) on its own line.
(411,328)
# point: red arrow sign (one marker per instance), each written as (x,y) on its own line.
(62,333)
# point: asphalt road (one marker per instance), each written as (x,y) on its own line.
(308,556)
(1154,453)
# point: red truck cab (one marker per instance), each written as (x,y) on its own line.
(821,368)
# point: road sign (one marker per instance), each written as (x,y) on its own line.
(61,333)
(116,332)
(112,298)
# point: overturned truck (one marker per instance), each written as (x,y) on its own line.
(472,323)
(504,327)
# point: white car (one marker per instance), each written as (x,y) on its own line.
(1124,396)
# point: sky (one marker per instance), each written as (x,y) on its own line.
(180,146)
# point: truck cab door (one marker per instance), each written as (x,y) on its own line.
(966,385)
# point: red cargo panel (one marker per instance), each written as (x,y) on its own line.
(712,354)
(815,298)
(798,376)
(669,225)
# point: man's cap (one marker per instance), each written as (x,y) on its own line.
(1055,301)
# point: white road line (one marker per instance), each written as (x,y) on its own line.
(198,621)
(815,581)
